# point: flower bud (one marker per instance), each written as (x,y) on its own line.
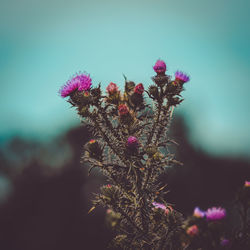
(112,88)
(123,109)
(139,89)
(132,142)
(192,230)
(160,67)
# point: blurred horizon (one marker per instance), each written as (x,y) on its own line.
(42,44)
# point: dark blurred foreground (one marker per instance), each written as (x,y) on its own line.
(45,193)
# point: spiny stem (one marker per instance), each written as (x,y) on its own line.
(155,123)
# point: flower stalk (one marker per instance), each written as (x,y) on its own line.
(126,147)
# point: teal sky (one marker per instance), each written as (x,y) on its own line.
(43,43)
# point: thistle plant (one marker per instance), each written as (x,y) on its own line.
(130,147)
(205,229)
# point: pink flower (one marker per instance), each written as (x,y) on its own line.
(70,87)
(167,209)
(181,76)
(159,205)
(224,242)
(123,109)
(132,142)
(139,89)
(192,230)
(214,214)
(160,67)
(112,88)
(247,184)
(85,82)
(79,82)
(199,213)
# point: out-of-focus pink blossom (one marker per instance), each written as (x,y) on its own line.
(247,184)
(198,212)
(215,214)
(225,242)
(192,230)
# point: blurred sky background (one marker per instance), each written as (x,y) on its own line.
(43,43)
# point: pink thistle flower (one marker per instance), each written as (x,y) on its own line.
(85,82)
(123,109)
(159,205)
(192,230)
(198,213)
(112,88)
(247,184)
(224,242)
(214,214)
(167,209)
(160,67)
(139,89)
(79,82)
(132,142)
(182,77)
(70,87)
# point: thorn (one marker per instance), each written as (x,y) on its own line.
(91,209)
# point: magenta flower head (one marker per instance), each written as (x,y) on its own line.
(79,82)
(139,89)
(224,242)
(159,205)
(112,88)
(69,88)
(247,184)
(198,213)
(132,142)
(160,67)
(215,214)
(85,82)
(182,77)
